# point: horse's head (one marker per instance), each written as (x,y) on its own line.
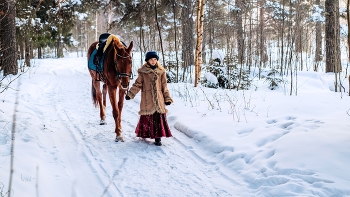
(123,63)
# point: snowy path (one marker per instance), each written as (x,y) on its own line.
(138,166)
(299,149)
(67,136)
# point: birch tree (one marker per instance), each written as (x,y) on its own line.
(199,22)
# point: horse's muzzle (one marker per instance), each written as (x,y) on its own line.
(124,88)
(124,80)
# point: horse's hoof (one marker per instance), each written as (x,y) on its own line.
(102,122)
(119,138)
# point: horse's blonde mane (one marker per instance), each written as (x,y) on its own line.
(111,38)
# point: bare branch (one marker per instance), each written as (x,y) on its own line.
(5,87)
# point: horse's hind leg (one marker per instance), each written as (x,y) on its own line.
(98,101)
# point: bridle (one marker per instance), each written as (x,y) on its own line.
(121,75)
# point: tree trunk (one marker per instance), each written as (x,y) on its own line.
(332,36)
(298,29)
(20,43)
(142,39)
(40,55)
(8,38)
(159,32)
(318,50)
(59,48)
(187,36)
(200,19)
(31,49)
(175,35)
(282,40)
(240,39)
(240,36)
(250,44)
(348,20)
(262,46)
(210,32)
(27,51)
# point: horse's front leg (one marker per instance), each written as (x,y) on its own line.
(120,105)
(115,111)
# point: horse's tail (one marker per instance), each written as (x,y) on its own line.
(93,95)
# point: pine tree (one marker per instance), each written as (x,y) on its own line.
(332,36)
(8,49)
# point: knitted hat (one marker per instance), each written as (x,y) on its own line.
(151,54)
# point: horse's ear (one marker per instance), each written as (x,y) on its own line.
(130,46)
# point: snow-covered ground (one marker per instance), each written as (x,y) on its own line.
(226,143)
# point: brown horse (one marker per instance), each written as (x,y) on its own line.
(117,71)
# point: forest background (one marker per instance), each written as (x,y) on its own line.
(282,36)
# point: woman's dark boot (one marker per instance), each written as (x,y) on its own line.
(157,142)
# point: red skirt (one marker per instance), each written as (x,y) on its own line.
(153,126)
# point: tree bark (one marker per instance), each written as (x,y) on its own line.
(40,55)
(318,37)
(175,35)
(262,46)
(200,19)
(8,38)
(240,39)
(210,30)
(142,39)
(282,40)
(59,48)
(298,29)
(348,20)
(20,43)
(250,44)
(240,36)
(332,36)
(187,36)
(27,51)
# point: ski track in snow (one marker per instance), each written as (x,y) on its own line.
(68,146)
